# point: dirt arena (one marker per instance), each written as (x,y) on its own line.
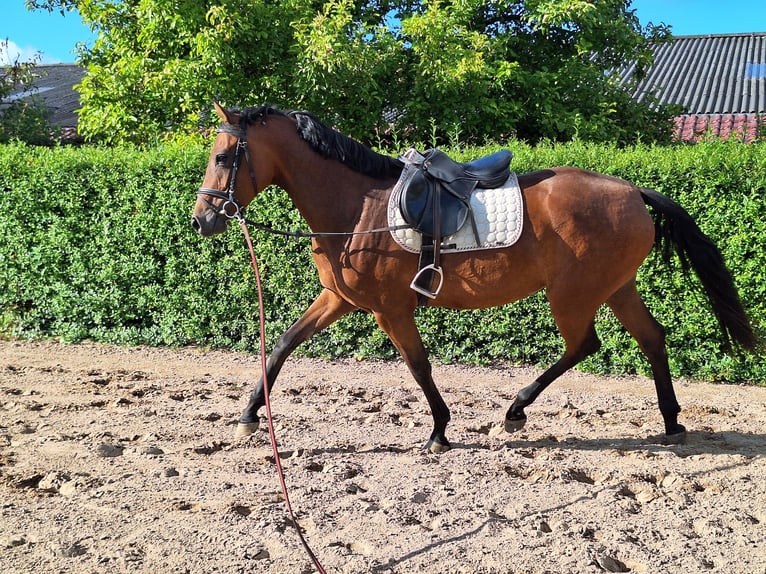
(124,460)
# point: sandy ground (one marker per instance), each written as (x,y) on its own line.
(124,460)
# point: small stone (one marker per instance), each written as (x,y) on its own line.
(12,541)
(52,481)
(170,472)
(611,564)
(419,497)
(106,450)
(72,550)
(68,489)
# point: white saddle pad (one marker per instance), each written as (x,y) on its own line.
(498,215)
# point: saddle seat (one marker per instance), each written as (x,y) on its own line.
(443,186)
(489,171)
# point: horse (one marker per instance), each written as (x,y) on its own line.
(584,236)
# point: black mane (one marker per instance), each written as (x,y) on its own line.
(328,142)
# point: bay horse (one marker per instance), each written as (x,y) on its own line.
(584,237)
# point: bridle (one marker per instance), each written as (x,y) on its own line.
(230,200)
(228,196)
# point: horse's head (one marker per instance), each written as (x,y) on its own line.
(230,183)
(251,153)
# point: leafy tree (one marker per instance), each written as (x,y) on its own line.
(423,70)
(24,118)
(156,65)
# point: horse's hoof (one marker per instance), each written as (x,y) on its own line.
(435,447)
(515,425)
(676,437)
(245,429)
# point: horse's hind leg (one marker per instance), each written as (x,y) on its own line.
(401,329)
(629,308)
(325,310)
(581,341)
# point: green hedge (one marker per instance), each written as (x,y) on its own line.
(96,244)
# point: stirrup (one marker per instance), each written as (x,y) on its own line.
(422,290)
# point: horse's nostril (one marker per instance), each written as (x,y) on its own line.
(195,223)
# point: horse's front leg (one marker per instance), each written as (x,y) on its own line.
(581,342)
(325,310)
(401,329)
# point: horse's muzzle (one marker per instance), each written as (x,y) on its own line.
(209,223)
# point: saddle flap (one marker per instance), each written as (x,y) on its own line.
(435,176)
(416,205)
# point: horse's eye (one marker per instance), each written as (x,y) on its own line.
(221,159)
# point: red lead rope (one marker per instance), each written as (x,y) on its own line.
(272,436)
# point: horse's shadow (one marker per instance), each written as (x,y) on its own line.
(695,443)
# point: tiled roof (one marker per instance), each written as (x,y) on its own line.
(717,74)
(55,85)
(720,80)
(745,128)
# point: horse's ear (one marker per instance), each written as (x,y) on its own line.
(225,115)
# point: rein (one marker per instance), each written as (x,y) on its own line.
(272,434)
(230,200)
(310,234)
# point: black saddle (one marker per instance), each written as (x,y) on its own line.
(452,183)
(437,202)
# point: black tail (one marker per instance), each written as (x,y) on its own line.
(675,228)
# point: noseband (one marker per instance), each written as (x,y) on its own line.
(228,196)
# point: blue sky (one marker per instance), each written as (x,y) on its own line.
(689,17)
(54,36)
(37,31)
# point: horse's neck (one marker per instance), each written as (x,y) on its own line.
(329,195)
